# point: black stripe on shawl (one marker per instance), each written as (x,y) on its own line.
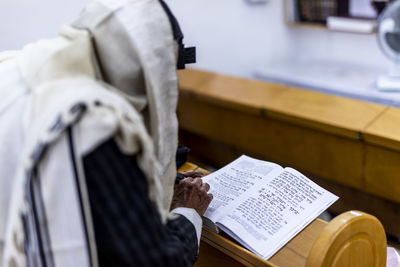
(79,191)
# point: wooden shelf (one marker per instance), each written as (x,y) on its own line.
(292,21)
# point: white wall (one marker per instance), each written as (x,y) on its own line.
(231,36)
(236,38)
(23,21)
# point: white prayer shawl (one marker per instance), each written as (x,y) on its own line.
(54,109)
(137,54)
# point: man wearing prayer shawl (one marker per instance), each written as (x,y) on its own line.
(88,139)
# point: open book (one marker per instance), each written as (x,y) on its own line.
(262,205)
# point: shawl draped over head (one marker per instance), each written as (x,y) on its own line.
(136,52)
(112,74)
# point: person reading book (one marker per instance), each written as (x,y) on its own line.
(88,142)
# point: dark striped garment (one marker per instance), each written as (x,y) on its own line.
(127,226)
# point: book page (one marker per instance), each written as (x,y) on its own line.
(230,182)
(273,213)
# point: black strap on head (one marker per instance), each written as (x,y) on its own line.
(186,55)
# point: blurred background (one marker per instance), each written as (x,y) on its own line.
(302,43)
(240,37)
(24,21)
(235,37)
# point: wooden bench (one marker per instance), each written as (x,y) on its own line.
(352,239)
(349,147)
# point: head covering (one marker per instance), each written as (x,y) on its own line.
(136,52)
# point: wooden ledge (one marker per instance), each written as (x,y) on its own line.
(385,130)
(333,114)
(246,95)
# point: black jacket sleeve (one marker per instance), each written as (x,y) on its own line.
(128,228)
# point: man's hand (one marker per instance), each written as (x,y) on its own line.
(192,174)
(192,193)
